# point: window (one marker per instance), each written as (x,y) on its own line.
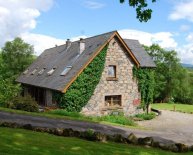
(66,70)
(34,71)
(111,73)
(114,100)
(25,72)
(41,71)
(51,71)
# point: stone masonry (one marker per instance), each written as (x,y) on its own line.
(124,85)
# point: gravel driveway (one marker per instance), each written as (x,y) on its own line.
(173,123)
(170,126)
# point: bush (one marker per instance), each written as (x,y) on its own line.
(146,116)
(26,103)
(8,91)
(118,119)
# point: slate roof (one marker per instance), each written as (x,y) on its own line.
(60,57)
(142,56)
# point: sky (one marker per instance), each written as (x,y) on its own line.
(46,23)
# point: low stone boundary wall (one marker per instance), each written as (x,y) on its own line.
(97,136)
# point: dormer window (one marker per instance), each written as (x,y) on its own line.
(41,71)
(66,70)
(26,71)
(51,71)
(34,71)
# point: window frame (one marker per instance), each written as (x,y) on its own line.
(113,99)
(41,71)
(114,77)
(34,71)
(50,72)
(66,70)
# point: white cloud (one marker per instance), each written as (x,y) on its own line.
(78,37)
(19,16)
(164,39)
(186,53)
(182,10)
(93,5)
(185,27)
(189,38)
(41,42)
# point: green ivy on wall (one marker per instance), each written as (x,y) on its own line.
(146,83)
(81,90)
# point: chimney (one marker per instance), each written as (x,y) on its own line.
(81,45)
(68,43)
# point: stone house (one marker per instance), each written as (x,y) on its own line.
(58,67)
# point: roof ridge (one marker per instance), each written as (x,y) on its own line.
(131,39)
(83,38)
(102,34)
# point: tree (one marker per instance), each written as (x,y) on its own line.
(143,13)
(16,56)
(171,78)
(8,90)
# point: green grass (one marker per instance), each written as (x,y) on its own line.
(24,142)
(116,119)
(169,106)
(146,116)
(62,114)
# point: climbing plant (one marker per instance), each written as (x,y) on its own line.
(81,90)
(146,83)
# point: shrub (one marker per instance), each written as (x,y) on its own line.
(26,103)
(8,91)
(118,119)
(146,116)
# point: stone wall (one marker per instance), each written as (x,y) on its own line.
(124,84)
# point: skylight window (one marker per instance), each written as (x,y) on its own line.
(51,71)
(66,70)
(41,71)
(34,71)
(26,71)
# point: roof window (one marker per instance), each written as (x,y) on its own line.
(51,71)
(34,71)
(41,71)
(26,71)
(66,70)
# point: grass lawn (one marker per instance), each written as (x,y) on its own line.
(169,106)
(61,114)
(24,142)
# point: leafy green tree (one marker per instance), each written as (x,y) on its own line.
(143,13)
(171,78)
(16,56)
(8,91)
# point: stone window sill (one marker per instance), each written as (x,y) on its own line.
(112,108)
(112,79)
